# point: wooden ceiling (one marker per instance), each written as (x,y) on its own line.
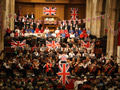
(54,1)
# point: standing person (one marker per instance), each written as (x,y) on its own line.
(32,16)
(27,15)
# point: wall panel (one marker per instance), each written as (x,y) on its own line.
(63,10)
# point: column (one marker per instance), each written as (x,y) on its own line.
(88,13)
(2,3)
(110,35)
(12,11)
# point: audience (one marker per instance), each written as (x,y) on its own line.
(35,63)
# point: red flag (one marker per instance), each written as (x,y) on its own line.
(119,34)
(10,15)
(84,20)
(34,21)
(79,21)
(103,16)
(64,21)
(55,22)
(59,22)
(69,22)
(93,19)
(19,17)
(88,19)
(74,21)
(98,17)
(45,21)
(39,21)
(50,22)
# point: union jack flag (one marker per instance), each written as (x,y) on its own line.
(64,73)
(85,44)
(49,11)
(15,44)
(52,44)
(63,57)
(74,13)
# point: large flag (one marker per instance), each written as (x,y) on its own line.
(85,44)
(52,44)
(64,73)
(15,44)
(49,11)
(74,13)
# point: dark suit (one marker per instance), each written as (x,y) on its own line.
(27,16)
(32,16)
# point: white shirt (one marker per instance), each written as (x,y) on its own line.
(71,55)
(18,30)
(12,35)
(57,31)
(46,31)
(53,34)
(26,34)
(72,35)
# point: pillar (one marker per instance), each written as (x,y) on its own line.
(110,35)
(2,3)
(94,9)
(12,11)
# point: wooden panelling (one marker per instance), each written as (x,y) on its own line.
(77,1)
(43,1)
(81,11)
(63,10)
(24,8)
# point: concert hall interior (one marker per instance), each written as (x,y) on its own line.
(59,44)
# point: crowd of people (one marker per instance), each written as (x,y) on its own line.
(75,44)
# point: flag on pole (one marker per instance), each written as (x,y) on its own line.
(84,20)
(79,21)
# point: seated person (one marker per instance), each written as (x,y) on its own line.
(12,34)
(37,30)
(42,30)
(70,31)
(16,34)
(81,36)
(27,29)
(46,30)
(65,31)
(88,31)
(76,35)
(26,34)
(84,31)
(79,31)
(32,30)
